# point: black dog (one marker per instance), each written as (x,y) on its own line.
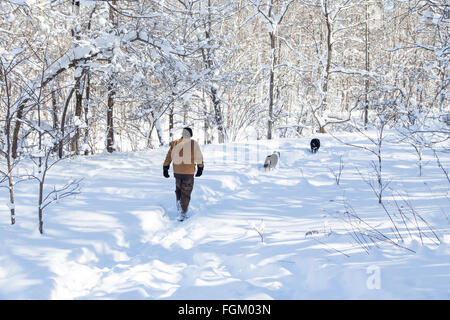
(315,145)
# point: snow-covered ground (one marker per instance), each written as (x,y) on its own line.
(119,238)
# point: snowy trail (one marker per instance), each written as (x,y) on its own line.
(119,239)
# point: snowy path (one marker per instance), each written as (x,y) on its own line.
(119,239)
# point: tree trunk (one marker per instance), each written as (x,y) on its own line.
(159,132)
(326,77)
(154,124)
(54,110)
(78,92)
(15,140)
(149,136)
(86,112)
(63,121)
(171,124)
(7,143)
(12,208)
(271,84)
(109,119)
(218,115)
(185,114)
(207,58)
(41,221)
(328,65)
(75,143)
(10,168)
(111,96)
(40,211)
(366,80)
(206,125)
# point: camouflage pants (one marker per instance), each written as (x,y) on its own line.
(184,186)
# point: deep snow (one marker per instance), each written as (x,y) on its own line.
(119,239)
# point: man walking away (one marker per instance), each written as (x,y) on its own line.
(185,153)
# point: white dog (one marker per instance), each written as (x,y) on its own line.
(271,161)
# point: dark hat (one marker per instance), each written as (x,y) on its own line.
(189,130)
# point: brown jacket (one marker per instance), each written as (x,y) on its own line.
(184,153)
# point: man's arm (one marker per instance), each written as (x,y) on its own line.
(168,159)
(198,156)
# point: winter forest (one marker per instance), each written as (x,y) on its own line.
(92,93)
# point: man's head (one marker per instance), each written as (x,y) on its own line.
(187,133)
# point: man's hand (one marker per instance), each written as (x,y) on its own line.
(166,171)
(199,171)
